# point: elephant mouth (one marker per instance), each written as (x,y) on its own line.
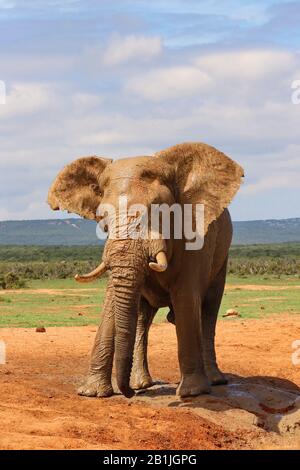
(159,265)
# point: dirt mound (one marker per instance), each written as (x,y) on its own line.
(259,409)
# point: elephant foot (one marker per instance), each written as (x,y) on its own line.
(141,381)
(216,377)
(95,387)
(192,385)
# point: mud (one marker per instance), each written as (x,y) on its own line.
(259,409)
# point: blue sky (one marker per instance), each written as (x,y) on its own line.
(118,78)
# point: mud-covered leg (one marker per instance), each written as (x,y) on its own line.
(210,309)
(187,313)
(98,382)
(140,376)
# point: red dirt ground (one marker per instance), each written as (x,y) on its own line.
(39,408)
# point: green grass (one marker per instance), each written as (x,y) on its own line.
(64,300)
(32,307)
(259,304)
(51,267)
(271,280)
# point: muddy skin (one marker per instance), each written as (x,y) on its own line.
(193,282)
(98,383)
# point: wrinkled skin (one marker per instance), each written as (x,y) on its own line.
(192,285)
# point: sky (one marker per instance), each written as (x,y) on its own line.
(124,78)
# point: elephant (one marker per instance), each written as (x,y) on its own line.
(147,274)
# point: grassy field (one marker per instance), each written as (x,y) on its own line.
(63,302)
(60,302)
(263,280)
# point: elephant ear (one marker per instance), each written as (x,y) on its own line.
(76,187)
(203,175)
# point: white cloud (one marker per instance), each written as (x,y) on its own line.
(272,170)
(31,206)
(169,82)
(238,102)
(6,4)
(26,98)
(286,180)
(121,50)
(247,64)
(86,101)
(224,76)
(33,64)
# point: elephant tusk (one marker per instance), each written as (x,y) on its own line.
(161,262)
(93,275)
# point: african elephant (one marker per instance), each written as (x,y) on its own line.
(146,274)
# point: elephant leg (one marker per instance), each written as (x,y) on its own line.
(98,382)
(171,316)
(140,376)
(210,309)
(187,308)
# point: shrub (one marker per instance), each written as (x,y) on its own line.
(12,280)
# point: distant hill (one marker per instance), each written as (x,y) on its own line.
(266,231)
(48,232)
(83,232)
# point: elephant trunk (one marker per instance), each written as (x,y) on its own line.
(128,262)
(126,312)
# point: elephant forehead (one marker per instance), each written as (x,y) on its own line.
(129,167)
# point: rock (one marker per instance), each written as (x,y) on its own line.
(239,405)
(40,329)
(231,313)
(286,421)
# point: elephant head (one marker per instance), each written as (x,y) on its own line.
(186,173)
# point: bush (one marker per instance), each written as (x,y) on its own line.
(27,262)
(263,266)
(12,280)
(47,270)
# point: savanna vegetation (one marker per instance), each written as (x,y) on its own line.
(47,262)
(271,260)
(61,262)
(37,286)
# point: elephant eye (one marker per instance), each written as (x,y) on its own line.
(96,189)
(148,175)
